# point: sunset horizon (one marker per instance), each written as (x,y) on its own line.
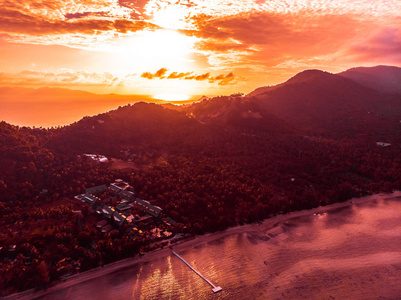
(53,106)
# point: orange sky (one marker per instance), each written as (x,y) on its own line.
(179,48)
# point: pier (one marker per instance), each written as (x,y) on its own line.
(215,289)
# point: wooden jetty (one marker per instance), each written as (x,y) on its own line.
(215,289)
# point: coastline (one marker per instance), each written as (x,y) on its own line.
(186,244)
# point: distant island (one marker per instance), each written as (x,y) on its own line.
(316,139)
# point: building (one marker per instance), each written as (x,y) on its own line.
(118,186)
(123,206)
(383,144)
(80,197)
(97,157)
(127,195)
(152,210)
(108,211)
(101,224)
(142,220)
(90,199)
(170,222)
(96,189)
(107,228)
(119,218)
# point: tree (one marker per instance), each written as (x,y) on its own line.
(42,274)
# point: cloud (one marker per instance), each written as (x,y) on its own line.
(158,74)
(147,75)
(222,79)
(176,75)
(200,77)
(62,77)
(123,26)
(256,39)
(78,15)
(225,79)
(137,6)
(17,22)
(85,14)
(383,47)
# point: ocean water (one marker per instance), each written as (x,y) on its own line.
(348,253)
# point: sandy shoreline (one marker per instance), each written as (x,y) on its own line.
(127,263)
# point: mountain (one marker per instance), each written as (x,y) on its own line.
(139,126)
(321,102)
(300,77)
(385,79)
(233,113)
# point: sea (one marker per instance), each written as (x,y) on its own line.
(351,252)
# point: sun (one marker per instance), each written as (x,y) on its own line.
(152,50)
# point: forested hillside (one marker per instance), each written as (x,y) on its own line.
(213,164)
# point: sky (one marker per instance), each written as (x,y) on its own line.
(175,49)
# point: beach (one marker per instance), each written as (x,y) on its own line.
(259,234)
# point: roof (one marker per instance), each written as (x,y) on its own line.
(134,231)
(90,198)
(114,188)
(141,219)
(120,219)
(101,223)
(127,194)
(120,185)
(123,206)
(150,209)
(170,221)
(80,197)
(108,210)
(107,228)
(96,189)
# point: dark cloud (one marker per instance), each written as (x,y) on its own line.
(86,14)
(78,15)
(12,21)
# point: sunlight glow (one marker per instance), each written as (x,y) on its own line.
(171,17)
(148,51)
(171,97)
